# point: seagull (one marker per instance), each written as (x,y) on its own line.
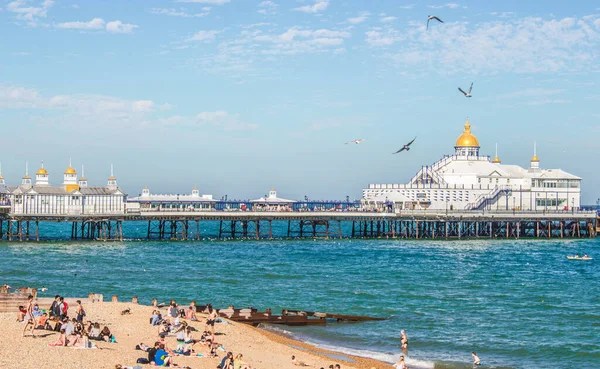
(406,147)
(358,141)
(430,17)
(467,94)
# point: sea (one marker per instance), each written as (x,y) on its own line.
(517,303)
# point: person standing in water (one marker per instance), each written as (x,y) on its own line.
(476,360)
(403,340)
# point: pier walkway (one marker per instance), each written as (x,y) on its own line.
(423,224)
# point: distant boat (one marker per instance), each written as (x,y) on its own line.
(580,258)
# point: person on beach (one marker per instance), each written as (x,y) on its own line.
(226,362)
(21,313)
(190,314)
(297,362)
(64,307)
(162,357)
(403,340)
(55,308)
(476,360)
(239,363)
(29,316)
(105,335)
(156,318)
(401,364)
(79,312)
(210,320)
(152,352)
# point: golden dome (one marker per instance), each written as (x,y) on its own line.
(112,178)
(496,160)
(82,179)
(535,159)
(467,139)
(1,176)
(42,172)
(70,170)
(26,176)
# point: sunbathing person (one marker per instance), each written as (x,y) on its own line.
(95,332)
(162,357)
(156,318)
(190,314)
(238,363)
(298,363)
(105,334)
(21,313)
(43,322)
(163,330)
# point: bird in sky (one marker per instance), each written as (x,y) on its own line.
(357,141)
(430,17)
(406,147)
(467,94)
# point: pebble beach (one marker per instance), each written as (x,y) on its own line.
(261,349)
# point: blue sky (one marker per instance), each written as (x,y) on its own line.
(238,96)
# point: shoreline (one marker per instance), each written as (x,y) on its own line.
(262,349)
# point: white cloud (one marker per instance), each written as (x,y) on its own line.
(382,37)
(267,7)
(96,23)
(142,105)
(119,27)
(215,2)
(522,45)
(223,119)
(204,36)
(180,12)
(318,6)
(14,97)
(30,13)
(388,19)
(447,5)
(359,19)
(296,40)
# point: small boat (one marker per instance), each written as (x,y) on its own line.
(579,258)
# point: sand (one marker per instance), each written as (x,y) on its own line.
(261,349)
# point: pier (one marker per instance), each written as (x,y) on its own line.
(245,225)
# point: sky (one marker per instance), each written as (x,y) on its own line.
(239,96)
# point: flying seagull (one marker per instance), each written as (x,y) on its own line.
(430,17)
(467,94)
(357,141)
(406,147)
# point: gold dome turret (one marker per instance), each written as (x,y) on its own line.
(42,172)
(496,158)
(467,139)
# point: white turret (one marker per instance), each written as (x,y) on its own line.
(145,192)
(535,161)
(41,176)
(195,192)
(2,183)
(26,181)
(83,181)
(112,181)
(70,179)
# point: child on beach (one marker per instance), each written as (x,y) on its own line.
(21,313)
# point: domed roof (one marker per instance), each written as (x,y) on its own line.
(467,139)
(535,159)
(496,160)
(42,172)
(70,170)
(112,178)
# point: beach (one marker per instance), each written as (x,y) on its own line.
(261,349)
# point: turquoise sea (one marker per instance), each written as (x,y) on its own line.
(519,304)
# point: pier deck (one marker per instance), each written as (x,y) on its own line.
(430,224)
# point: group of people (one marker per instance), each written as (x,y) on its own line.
(401,363)
(174,324)
(74,332)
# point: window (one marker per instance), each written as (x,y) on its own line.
(507,180)
(497,180)
(478,180)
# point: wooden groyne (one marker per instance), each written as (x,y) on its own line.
(288,317)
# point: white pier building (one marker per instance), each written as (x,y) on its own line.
(170,202)
(469,181)
(73,197)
